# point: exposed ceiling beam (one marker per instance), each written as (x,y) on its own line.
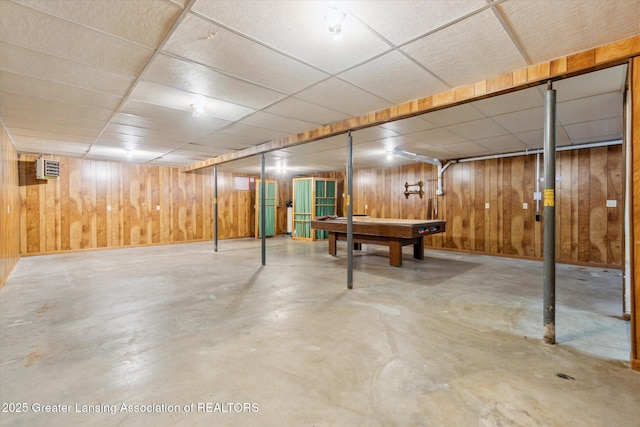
(567,66)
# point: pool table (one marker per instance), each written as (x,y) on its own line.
(394,233)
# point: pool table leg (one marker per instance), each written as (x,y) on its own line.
(418,249)
(333,240)
(395,253)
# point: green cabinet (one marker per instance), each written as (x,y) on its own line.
(312,198)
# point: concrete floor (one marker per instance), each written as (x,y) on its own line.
(216,339)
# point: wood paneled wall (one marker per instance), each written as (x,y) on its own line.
(9,208)
(96,204)
(484,202)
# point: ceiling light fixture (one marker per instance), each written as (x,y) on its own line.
(198,109)
(334,18)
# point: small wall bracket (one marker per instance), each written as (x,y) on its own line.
(419,191)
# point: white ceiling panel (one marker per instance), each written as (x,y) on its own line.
(438,137)
(279,123)
(119,18)
(46,107)
(409,126)
(299,29)
(221,53)
(511,102)
(44,33)
(595,131)
(301,110)
(454,115)
(590,109)
(402,21)
(155,112)
(468,51)
(596,83)
(401,80)
(29,86)
(163,96)
(549,30)
(522,121)
(45,67)
(341,96)
(128,72)
(502,144)
(196,78)
(477,129)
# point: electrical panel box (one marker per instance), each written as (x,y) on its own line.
(47,169)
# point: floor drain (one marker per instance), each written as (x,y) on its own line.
(565,376)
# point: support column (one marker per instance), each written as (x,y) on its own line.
(263,211)
(349,212)
(549,247)
(635,210)
(215,208)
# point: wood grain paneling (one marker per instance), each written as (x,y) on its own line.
(96,205)
(9,208)
(484,202)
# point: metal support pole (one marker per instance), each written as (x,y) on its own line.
(549,250)
(215,208)
(263,213)
(349,212)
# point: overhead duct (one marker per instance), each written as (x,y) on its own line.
(425,159)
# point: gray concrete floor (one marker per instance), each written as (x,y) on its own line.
(204,338)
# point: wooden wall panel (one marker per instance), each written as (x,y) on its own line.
(96,205)
(587,231)
(9,207)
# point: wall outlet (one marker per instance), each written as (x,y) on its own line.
(487,205)
(158,207)
(525,206)
(612,203)
(108,208)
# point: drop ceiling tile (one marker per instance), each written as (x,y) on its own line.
(257,63)
(37,120)
(176,134)
(408,126)
(45,67)
(453,115)
(588,109)
(260,134)
(198,79)
(23,85)
(115,17)
(278,123)
(535,139)
(582,25)
(502,144)
(51,108)
(402,21)
(424,149)
(595,83)
(170,115)
(177,99)
(338,95)
(303,110)
(522,121)
(401,79)
(44,146)
(468,51)
(34,135)
(515,101)
(477,129)
(127,140)
(468,149)
(369,134)
(298,29)
(595,131)
(34,30)
(437,137)
(38,128)
(226,140)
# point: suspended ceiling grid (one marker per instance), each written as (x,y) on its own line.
(98,80)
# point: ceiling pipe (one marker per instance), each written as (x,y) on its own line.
(425,159)
(540,150)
